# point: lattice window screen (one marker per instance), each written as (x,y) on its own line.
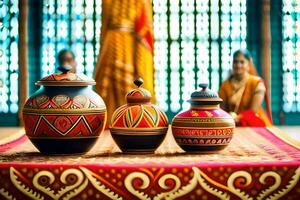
(73,24)
(9,93)
(194,42)
(291,55)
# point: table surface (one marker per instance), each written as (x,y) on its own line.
(259,163)
(247,146)
(291,131)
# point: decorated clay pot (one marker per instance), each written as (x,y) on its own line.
(138,126)
(205,126)
(65,115)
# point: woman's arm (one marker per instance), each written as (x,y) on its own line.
(258,96)
(224,105)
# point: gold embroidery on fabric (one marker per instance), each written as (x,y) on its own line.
(6,194)
(198,178)
(69,190)
(76,180)
(22,187)
(98,185)
(272,188)
(145,183)
(292,183)
(237,191)
(63,190)
(162,184)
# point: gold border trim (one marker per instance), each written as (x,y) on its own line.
(139,129)
(201,124)
(283,136)
(63,111)
(184,127)
(135,134)
(62,138)
(196,117)
(203,137)
(138,132)
(203,145)
(65,83)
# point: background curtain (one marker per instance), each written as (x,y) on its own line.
(126,50)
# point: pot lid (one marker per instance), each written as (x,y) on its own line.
(66,78)
(205,96)
(138,95)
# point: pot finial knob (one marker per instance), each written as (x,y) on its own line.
(138,82)
(64,68)
(203,86)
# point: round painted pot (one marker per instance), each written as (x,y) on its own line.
(65,115)
(205,126)
(138,126)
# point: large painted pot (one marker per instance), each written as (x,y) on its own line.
(138,126)
(65,115)
(205,126)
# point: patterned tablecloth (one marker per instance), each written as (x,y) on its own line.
(259,163)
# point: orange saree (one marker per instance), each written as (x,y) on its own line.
(240,102)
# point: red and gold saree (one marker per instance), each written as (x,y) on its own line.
(240,102)
(126,50)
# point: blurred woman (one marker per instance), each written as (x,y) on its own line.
(244,92)
(66,57)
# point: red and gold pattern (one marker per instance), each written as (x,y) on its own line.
(126,50)
(65,115)
(201,127)
(62,116)
(256,165)
(204,113)
(64,125)
(138,126)
(203,132)
(139,116)
(69,79)
(61,101)
(138,92)
(205,126)
(62,77)
(87,182)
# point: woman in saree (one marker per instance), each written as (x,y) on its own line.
(244,92)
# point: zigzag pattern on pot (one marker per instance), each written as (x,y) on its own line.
(139,116)
(139,92)
(64,125)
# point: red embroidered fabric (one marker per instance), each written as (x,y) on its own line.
(259,163)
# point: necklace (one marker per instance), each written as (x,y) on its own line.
(238,84)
